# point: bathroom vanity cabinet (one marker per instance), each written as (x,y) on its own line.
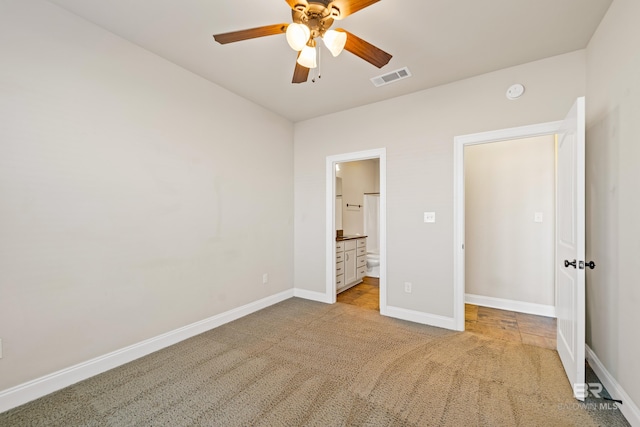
(351,262)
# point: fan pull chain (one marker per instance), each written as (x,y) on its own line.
(317,71)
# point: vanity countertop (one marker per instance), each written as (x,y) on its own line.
(348,237)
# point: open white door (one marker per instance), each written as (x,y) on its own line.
(570,244)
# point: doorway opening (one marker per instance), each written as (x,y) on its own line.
(359,186)
(510,192)
(460,143)
(358,233)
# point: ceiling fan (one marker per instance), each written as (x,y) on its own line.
(313,19)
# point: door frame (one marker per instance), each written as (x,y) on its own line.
(330,238)
(459,142)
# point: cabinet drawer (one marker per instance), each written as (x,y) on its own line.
(349,245)
(340,257)
(339,246)
(361,262)
(362,243)
(339,268)
(361,251)
(339,281)
(362,271)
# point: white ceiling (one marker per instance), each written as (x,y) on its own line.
(441,41)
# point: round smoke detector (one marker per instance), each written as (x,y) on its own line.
(515,91)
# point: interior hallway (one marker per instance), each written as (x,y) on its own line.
(506,325)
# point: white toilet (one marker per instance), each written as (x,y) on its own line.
(373,264)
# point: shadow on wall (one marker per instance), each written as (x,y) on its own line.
(602,237)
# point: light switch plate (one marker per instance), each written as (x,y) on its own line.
(537,217)
(429,217)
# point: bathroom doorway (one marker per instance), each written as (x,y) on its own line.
(353,181)
(358,233)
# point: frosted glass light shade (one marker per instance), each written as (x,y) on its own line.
(307,57)
(335,41)
(297,36)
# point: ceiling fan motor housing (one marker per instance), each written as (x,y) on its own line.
(317,15)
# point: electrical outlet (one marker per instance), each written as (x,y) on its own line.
(407,287)
(265,278)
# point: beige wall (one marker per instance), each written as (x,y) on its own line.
(129,206)
(507,254)
(357,178)
(417,131)
(613,201)
(134,198)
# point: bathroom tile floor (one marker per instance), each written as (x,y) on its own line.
(529,329)
(365,295)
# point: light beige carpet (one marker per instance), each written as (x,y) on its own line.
(306,363)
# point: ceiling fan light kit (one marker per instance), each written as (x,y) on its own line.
(335,41)
(313,19)
(298,36)
(307,57)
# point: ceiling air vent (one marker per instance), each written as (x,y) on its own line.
(391,77)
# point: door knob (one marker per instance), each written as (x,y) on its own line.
(591,265)
(567,263)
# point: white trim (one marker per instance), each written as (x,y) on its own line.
(628,408)
(330,231)
(31,390)
(508,134)
(511,305)
(420,317)
(459,142)
(311,295)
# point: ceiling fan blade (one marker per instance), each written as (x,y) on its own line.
(252,33)
(366,50)
(348,7)
(300,73)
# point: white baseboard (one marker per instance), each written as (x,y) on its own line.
(628,408)
(511,305)
(420,317)
(23,393)
(311,295)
